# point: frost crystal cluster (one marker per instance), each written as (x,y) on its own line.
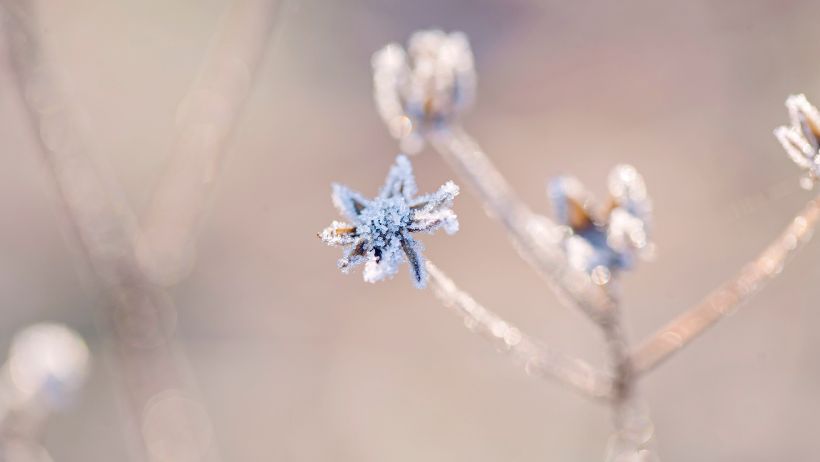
(600,240)
(425,87)
(379,232)
(801,138)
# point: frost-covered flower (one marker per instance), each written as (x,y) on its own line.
(379,232)
(802,139)
(424,88)
(600,240)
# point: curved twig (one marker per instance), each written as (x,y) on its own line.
(537,359)
(728,296)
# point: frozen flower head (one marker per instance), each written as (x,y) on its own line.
(424,88)
(602,240)
(800,139)
(379,230)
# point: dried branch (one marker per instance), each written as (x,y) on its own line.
(633,438)
(535,237)
(537,359)
(634,435)
(731,294)
(205,119)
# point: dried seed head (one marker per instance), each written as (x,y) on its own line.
(425,88)
(604,238)
(801,139)
(379,233)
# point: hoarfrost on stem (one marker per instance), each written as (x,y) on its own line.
(603,239)
(379,232)
(424,88)
(801,139)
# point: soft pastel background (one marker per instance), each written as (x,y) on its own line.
(297,362)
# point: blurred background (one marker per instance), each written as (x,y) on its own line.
(296,361)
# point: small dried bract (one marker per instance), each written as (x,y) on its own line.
(379,231)
(802,138)
(601,240)
(424,88)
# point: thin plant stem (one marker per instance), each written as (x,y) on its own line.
(537,359)
(730,295)
(633,438)
(535,237)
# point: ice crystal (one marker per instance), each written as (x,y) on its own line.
(379,232)
(424,88)
(802,138)
(601,240)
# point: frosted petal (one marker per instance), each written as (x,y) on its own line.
(348,202)
(400,180)
(801,139)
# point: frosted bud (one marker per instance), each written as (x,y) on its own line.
(801,138)
(424,88)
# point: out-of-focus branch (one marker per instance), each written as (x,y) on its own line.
(205,120)
(167,421)
(537,359)
(139,317)
(726,298)
(535,237)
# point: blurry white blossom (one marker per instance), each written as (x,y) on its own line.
(424,88)
(601,240)
(801,138)
(49,362)
(378,234)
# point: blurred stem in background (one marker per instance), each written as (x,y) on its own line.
(166,419)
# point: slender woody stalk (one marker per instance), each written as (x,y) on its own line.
(729,295)
(537,359)
(633,437)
